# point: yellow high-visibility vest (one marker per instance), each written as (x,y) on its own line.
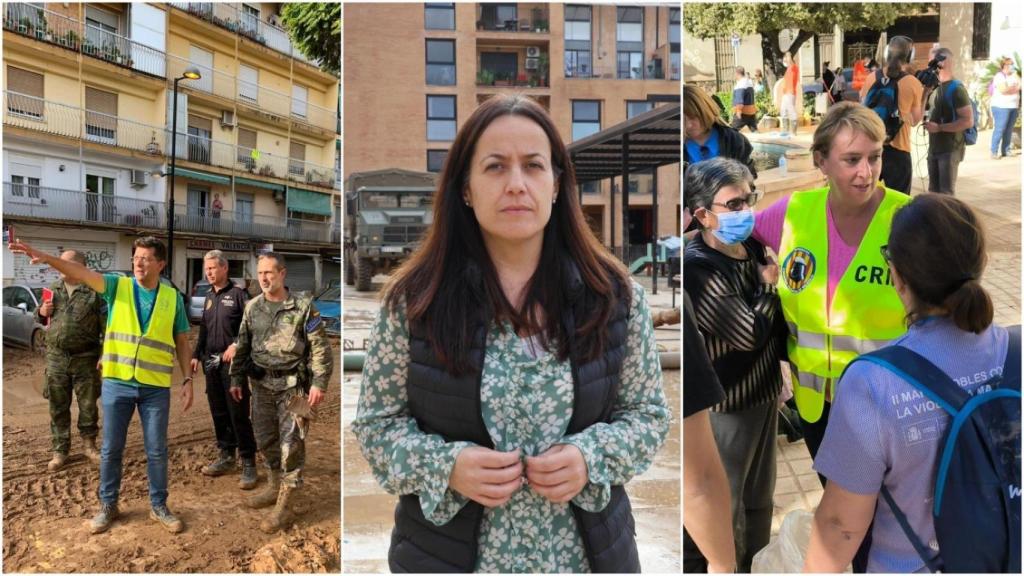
(866,312)
(127,352)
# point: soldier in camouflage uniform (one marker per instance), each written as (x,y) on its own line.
(77,318)
(283,349)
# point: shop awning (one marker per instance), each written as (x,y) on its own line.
(204,176)
(259,184)
(308,201)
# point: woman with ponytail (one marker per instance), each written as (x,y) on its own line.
(882,432)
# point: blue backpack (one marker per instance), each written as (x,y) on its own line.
(977,500)
(971,134)
(884,97)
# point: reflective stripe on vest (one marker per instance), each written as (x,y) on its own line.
(866,312)
(128,353)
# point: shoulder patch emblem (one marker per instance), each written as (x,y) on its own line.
(798,269)
(313,323)
(209,303)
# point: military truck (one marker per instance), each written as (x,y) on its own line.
(387,213)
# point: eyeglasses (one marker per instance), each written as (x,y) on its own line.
(143,259)
(886,255)
(737,204)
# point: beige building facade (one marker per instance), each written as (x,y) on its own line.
(414,73)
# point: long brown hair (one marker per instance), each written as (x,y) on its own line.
(450,282)
(937,245)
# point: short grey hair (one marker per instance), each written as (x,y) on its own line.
(704,179)
(216,255)
(76,256)
(278,258)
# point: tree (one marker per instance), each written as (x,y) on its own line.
(315,28)
(807,18)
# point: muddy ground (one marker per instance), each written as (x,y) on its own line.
(44,515)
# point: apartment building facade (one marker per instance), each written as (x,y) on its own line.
(591,66)
(88,114)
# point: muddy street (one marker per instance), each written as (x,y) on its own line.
(44,514)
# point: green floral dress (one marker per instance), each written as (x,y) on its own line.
(526,398)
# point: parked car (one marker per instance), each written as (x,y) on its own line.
(20,326)
(197,299)
(329,305)
(332,283)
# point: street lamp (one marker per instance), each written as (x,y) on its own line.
(191,73)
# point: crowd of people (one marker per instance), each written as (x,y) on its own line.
(871,300)
(117,339)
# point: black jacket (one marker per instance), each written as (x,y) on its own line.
(450,406)
(222,316)
(731,144)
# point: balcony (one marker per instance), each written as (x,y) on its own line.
(110,211)
(48,117)
(244,225)
(201,150)
(252,95)
(60,30)
(518,18)
(88,208)
(230,17)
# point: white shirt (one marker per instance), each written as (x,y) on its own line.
(1000,100)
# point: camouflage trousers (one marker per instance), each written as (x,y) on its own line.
(66,375)
(276,431)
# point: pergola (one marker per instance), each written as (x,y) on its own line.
(644,142)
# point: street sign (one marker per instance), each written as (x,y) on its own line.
(735,40)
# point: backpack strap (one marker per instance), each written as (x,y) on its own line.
(949,96)
(1011,366)
(933,563)
(920,373)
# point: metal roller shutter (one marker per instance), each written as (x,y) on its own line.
(301,273)
(331,271)
(98,255)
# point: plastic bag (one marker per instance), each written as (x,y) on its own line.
(786,552)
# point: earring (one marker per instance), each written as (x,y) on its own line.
(466,201)
(554,199)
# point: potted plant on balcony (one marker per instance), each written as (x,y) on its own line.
(503,79)
(89,48)
(24,25)
(543,64)
(485,78)
(521,79)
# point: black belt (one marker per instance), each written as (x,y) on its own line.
(281,373)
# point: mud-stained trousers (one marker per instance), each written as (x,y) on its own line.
(66,375)
(277,433)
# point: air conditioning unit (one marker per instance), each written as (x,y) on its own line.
(139,178)
(531,63)
(533,51)
(227,118)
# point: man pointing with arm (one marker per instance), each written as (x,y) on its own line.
(146,331)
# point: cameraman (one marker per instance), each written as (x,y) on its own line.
(946,125)
(897,165)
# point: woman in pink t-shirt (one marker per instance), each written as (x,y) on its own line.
(847,148)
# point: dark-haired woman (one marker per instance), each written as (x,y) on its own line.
(882,432)
(512,383)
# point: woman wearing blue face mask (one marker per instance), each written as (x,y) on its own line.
(732,284)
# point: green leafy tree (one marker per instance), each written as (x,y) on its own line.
(315,28)
(807,18)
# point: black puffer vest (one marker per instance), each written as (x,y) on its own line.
(450,406)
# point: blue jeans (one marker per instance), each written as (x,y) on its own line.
(119,402)
(1003,120)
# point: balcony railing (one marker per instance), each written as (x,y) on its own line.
(204,150)
(92,209)
(58,29)
(62,205)
(230,17)
(496,18)
(237,224)
(230,87)
(49,117)
(492,78)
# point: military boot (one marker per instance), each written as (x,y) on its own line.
(268,496)
(89,447)
(57,462)
(222,465)
(279,515)
(249,477)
